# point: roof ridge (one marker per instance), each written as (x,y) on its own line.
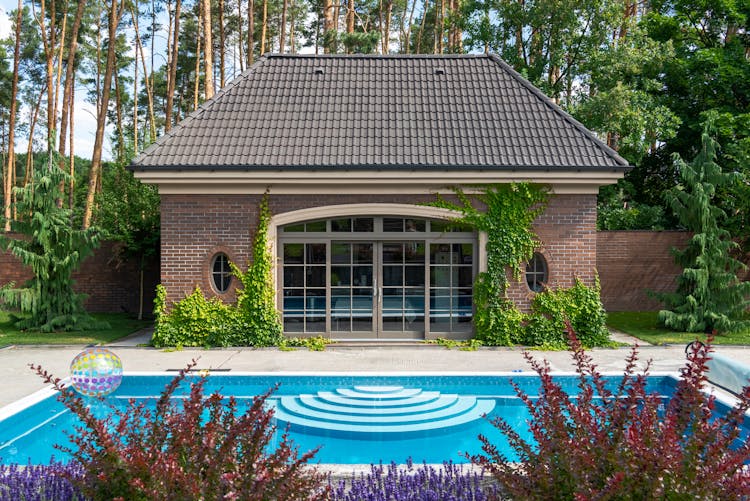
(559,111)
(200,110)
(378,56)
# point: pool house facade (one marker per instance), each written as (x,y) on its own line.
(352,149)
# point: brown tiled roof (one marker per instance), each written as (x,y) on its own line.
(382,112)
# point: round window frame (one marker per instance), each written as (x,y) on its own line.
(537,257)
(207,271)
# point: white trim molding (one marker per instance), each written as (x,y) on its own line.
(317,182)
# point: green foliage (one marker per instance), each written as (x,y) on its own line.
(467,345)
(53,249)
(256,306)
(499,326)
(314,343)
(617,212)
(578,306)
(359,42)
(709,295)
(193,321)
(128,211)
(253,321)
(505,214)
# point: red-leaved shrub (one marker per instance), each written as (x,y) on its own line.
(624,443)
(200,448)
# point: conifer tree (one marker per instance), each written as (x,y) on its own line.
(52,248)
(709,295)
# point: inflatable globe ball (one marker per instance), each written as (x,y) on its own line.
(96,372)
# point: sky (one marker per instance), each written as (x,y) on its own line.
(85,113)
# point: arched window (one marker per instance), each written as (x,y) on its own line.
(537,273)
(221,274)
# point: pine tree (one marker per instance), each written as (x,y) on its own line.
(53,248)
(709,295)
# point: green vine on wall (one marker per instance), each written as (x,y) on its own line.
(505,213)
(256,300)
(253,321)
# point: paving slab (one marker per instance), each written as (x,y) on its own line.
(19,380)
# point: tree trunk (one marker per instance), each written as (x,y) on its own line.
(48,43)
(32,126)
(292,21)
(282,30)
(263,28)
(72,157)
(173,67)
(387,29)
(67,108)
(118,117)
(149,83)
(222,48)
(350,16)
(136,14)
(421,27)
(250,32)
(240,37)
(101,120)
(11,163)
(328,25)
(406,48)
(196,84)
(208,51)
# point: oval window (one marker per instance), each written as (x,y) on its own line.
(536,273)
(221,273)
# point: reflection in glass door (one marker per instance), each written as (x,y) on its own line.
(304,287)
(403,270)
(385,277)
(352,287)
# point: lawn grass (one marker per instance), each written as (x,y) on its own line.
(643,325)
(122,324)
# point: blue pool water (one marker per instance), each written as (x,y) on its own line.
(355,419)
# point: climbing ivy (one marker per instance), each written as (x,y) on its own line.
(256,305)
(505,213)
(253,321)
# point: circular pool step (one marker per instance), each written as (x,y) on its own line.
(378,410)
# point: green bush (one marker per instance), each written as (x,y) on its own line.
(579,304)
(194,321)
(545,325)
(499,325)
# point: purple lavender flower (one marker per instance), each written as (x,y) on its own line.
(424,483)
(40,482)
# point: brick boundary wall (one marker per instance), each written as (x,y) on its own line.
(111,286)
(195,227)
(630,263)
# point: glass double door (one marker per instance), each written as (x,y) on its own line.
(377,289)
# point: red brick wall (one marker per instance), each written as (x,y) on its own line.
(633,262)
(195,227)
(567,230)
(111,285)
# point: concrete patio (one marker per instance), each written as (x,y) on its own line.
(19,380)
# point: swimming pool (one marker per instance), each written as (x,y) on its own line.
(358,419)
